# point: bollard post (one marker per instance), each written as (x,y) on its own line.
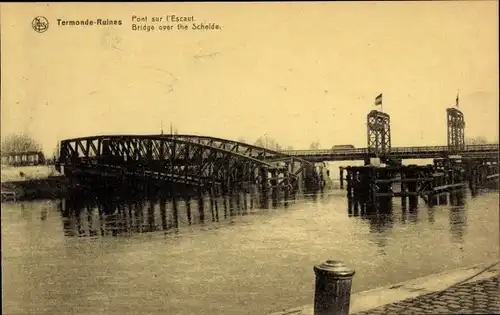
(333,288)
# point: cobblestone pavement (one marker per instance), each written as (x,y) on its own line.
(479,297)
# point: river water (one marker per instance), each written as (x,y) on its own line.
(247,257)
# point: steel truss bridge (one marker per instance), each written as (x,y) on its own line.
(181,159)
(378,131)
(204,161)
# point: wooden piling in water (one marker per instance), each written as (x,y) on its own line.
(341,177)
(368,185)
(349,182)
(412,193)
(403,189)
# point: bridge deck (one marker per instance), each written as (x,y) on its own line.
(423,152)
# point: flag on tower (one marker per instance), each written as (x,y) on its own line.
(456,101)
(378,100)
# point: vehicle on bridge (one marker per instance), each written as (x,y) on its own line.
(343,147)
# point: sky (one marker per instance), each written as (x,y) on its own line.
(296,72)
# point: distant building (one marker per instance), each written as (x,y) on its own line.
(23,158)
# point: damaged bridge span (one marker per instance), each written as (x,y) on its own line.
(199,161)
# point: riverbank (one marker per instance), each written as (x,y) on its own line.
(32,182)
(26,173)
(436,294)
(43,188)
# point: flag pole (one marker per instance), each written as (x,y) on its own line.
(381,104)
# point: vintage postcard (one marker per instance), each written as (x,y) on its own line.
(249,158)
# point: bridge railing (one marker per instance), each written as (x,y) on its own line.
(482,147)
(429,149)
(327,152)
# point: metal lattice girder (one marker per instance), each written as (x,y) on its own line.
(378,133)
(456,127)
(166,158)
(277,159)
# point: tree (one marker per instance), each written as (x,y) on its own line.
(476,140)
(260,142)
(242,140)
(268,143)
(22,142)
(315,146)
(289,148)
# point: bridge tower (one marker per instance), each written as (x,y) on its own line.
(456,126)
(379,133)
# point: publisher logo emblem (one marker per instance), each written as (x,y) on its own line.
(40,24)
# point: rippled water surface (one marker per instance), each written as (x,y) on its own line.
(67,257)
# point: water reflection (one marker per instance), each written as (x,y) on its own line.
(431,217)
(87,215)
(410,215)
(380,227)
(456,200)
(115,215)
(458,216)
(198,264)
(381,217)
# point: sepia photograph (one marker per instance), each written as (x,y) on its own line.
(275,158)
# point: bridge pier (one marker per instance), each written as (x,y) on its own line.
(381,188)
(175,214)
(412,192)
(366,179)
(187,202)
(482,173)
(341,177)
(312,179)
(404,190)
(263,176)
(376,186)
(274,187)
(349,182)
(356,183)
(367,161)
(287,185)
